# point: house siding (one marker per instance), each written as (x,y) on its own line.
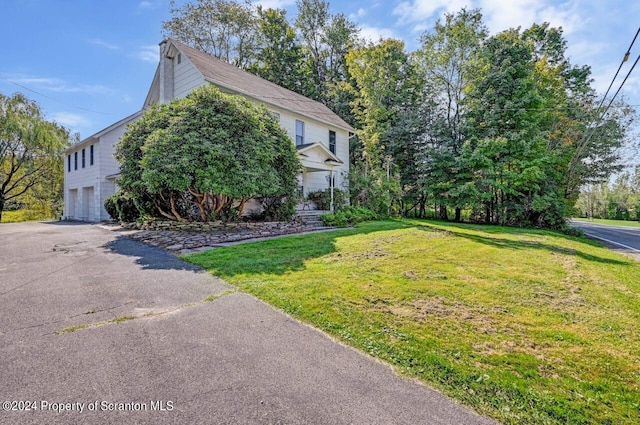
(87,188)
(81,194)
(186,77)
(315,131)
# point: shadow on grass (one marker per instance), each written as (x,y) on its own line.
(499,242)
(148,257)
(281,255)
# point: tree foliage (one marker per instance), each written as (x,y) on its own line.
(225,29)
(501,129)
(616,200)
(204,156)
(280,56)
(30,148)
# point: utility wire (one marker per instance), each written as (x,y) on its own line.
(56,100)
(624,59)
(582,145)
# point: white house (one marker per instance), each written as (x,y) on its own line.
(322,137)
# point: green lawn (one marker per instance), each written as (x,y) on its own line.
(611,222)
(524,326)
(22,215)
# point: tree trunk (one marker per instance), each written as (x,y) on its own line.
(458,214)
(443,212)
(175,212)
(1,206)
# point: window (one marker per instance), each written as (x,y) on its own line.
(91,155)
(68,163)
(84,154)
(75,161)
(332,141)
(299,133)
(179,58)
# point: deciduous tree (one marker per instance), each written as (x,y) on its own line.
(30,148)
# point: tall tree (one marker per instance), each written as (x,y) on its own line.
(506,146)
(279,58)
(29,148)
(386,90)
(446,56)
(326,39)
(226,29)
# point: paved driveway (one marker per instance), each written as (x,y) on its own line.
(147,342)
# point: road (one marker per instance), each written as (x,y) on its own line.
(92,322)
(619,238)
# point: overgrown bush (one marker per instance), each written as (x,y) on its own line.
(278,208)
(121,207)
(348,215)
(322,199)
(202,157)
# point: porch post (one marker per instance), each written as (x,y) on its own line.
(331,186)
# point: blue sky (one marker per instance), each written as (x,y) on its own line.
(90,63)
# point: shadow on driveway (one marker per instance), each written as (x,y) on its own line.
(148,257)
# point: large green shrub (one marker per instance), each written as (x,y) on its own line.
(348,215)
(121,207)
(204,156)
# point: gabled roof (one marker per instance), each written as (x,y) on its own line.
(231,77)
(94,137)
(320,148)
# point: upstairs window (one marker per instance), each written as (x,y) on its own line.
(84,154)
(299,133)
(69,163)
(75,161)
(91,155)
(332,141)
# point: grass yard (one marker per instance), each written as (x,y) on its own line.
(22,215)
(624,223)
(525,326)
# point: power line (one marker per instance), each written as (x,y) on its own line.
(56,100)
(589,134)
(624,59)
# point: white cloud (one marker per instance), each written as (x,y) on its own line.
(360,13)
(275,4)
(500,15)
(57,85)
(70,119)
(374,34)
(102,43)
(148,53)
(420,10)
(93,89)
(148,4)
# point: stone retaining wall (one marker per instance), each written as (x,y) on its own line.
(182,238)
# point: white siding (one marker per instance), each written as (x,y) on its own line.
(86,189)
(80,194)
(315,131)
(186,78)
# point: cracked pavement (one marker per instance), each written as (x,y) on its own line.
(92,318)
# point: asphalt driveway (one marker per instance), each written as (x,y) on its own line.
(98,328)
(619,238)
